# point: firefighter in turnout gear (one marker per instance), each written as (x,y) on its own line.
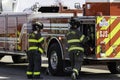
(34,51)
(75,40)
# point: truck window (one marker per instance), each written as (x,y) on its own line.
(2,32)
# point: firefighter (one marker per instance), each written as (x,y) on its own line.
(34,51)
(75,40)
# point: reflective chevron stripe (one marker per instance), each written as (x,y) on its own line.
(112,41)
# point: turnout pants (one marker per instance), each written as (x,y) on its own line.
(76,58)
(34,66)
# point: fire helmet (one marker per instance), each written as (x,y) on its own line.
(74,23)
(37,26)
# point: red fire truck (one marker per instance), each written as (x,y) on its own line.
(13,35)
(99,21)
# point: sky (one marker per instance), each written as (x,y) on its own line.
(20,5)
(70,3)
(28,3)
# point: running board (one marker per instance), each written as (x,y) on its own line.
(12,53)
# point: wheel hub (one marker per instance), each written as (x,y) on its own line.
(54,60)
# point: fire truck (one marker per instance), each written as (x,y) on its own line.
(13,35)
(98,21)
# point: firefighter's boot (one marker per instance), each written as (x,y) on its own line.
(74,76)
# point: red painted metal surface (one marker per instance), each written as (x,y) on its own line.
(105,9)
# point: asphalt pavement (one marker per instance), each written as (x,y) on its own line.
(11,71)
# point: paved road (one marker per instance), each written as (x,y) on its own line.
(10,71)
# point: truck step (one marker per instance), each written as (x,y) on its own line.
(12,53)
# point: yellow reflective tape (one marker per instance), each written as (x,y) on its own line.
(18,39)
(99,18)
(117,42)
(72,32)
(33,48)
(76,71)
(18,33)
(114,31)
(98,35)
(32,34)
(82,37)
(32,40)
(106,27)
(36,48)
(98,49)
(110,50)
(41,50)
(18,47)
(118,55)
(110,21)
(36,73)
(41,39)
(29,73)
(73,40)
(76,48)
(111,35)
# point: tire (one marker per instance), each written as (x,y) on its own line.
(55,60)
(18,59)
(114,67)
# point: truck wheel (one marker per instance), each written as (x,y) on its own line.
(55,60)
(114,67)
(18,59)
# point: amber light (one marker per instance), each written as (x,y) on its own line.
(60,38)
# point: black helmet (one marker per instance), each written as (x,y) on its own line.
(74,23)
(37,26)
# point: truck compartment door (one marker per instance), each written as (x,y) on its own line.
(108,31)
(11,33)
(114,48)
(2,32)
